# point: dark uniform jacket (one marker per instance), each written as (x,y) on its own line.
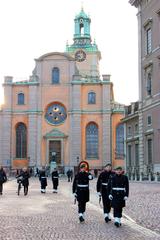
(24,178)
(43,178)
(55,177)
(3,177)
(81,186)
(118,187)
(102,183)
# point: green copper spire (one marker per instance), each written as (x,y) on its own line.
(82,37)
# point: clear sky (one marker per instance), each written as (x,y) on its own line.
(31,28)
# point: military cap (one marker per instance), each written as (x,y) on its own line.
(119,168)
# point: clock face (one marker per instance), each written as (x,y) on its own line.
(80,56)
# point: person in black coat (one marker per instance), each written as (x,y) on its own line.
(118,187)
(24,175)
(55,180)
(102,190)
(3,179)
(81,190)
(43,180)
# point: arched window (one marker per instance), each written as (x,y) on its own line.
(55,75)
(120,141)
(20,98)
(91,98)
(21,141)
(91,141)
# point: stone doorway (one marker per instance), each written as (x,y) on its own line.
(55,151)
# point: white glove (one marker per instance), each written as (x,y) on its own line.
(90,177)
(75,195)
(110,197)
(125,198)
(99,194)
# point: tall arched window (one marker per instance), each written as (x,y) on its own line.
(120,141)
(20,98)
(21,141)
(55,75)
(91,98)
(91,141)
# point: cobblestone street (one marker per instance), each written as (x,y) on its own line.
(54,216)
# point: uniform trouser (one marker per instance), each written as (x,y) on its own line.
(55,185)
(117,212)
(1,187)
(106,205)
(81,207)
(25,189)
(43,185)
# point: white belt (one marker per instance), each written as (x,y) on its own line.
(79,185)
(43,177)
(105,184)
(119,189)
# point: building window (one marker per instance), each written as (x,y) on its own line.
(137,155)
(149,120)
(91,98)
(149,147)
(136,128)
(120,141)
(21,141)
(129,131)
(20,99)
(92,141)
(55,75)
(149,84)
(148,40)
(129,155)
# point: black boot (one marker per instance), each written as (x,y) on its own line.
(81,219)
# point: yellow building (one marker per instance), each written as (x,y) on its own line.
(65,112)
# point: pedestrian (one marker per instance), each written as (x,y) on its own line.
(69,175)
(95,173)
(102,190)
(118,188)
(81,190)
(43,180)
(37,172)
(24,176)
(3,179)
(55,180)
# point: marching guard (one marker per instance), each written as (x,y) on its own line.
(55,180)
(43,180)
(118,187)
(81,188)
(102,190)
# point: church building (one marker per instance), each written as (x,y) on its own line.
(65,112)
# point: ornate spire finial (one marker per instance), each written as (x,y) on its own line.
(82,6)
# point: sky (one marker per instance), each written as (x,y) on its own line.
(31,28)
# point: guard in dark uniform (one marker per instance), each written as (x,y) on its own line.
(81,190)
(43,180)
(3,179)
(118,187)
(102,190)
(55,180)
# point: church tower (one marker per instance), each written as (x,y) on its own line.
(83,50)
